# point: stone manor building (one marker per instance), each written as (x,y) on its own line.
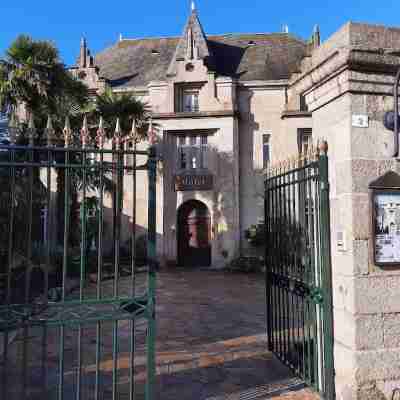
(225,107)
(220,105)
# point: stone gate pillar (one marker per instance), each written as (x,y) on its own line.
(347,83)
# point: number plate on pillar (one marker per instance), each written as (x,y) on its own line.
(188,182)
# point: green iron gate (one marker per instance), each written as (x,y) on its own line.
(77,292)
(298,274)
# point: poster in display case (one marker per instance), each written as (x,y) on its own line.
(387,228)
(386,219)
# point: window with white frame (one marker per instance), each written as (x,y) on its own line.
(187,97)
(190,100)
(261,149)
(192,152)
(304,140)
(266,150)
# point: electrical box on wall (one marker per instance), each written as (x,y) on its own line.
(341,241)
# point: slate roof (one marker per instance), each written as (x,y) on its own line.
(244,56)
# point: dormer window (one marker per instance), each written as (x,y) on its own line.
(190,100)
(187,97)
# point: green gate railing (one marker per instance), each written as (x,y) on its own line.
(298,274)
(77,268)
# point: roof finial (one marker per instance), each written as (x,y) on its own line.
(120,37)
(83,53)
(316,36)
(193,6)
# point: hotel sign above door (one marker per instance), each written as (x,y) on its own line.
(188,182)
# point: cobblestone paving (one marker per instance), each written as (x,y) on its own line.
(210,346)
(211,327)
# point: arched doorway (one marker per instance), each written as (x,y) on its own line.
(193,234)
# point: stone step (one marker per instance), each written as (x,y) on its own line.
(282,389)
(199,356)
(172,363)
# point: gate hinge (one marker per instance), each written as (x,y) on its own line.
(324,186)
(152,307)
(317,295)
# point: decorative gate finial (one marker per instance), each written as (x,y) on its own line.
(31,130)
(117,134)
(67,132)
(50,132)
(13,126)
(151,134)
(323,146)
(101,134)
(134,133)
(84,132)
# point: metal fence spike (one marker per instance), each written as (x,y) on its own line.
(117,134)
(13,127)
(49,124)
(101,134)
(151,134)
(31,123)
(50,132)
(31,129)
(84,132)
(133,131)
(323,147)
(118,127)
(67,132)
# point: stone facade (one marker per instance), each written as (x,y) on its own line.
(316,86)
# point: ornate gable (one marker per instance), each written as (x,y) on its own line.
(192,45)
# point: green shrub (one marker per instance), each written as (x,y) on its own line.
(255,235)
(246,264)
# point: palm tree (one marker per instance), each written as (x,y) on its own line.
(126,109)
(32,75)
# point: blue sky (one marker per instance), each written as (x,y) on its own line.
(101,22)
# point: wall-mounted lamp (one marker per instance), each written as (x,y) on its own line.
(391,118)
